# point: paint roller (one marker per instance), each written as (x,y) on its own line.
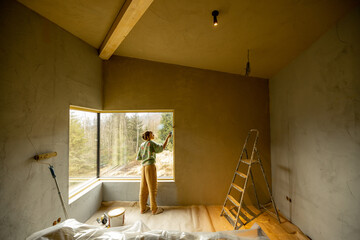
(52,171)
(45,156)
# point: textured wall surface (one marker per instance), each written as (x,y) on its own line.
(213,113)
(129,191)
(43,70)
(83,207)
(315,134)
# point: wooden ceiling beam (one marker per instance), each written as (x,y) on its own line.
(129,15)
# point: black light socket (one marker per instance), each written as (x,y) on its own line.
(215,13)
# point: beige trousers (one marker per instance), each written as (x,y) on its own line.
(148,187)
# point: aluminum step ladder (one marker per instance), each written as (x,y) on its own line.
(233,215)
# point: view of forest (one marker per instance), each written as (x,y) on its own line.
(120,138)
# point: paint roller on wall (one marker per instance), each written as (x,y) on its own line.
(44,156)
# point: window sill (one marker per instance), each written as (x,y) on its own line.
(96,182)
(133,179)
(73,196)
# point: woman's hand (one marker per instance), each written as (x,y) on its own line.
(166,140)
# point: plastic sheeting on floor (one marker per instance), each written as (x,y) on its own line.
(175,218)
(72,229)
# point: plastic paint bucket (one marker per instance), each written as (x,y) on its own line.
(116,217)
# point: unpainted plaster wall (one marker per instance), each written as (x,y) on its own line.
(213,113)
(84,205)
(129,191)
(315,134)
(43,70)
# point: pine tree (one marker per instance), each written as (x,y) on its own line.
(80,151)
(134,127)
(167,126)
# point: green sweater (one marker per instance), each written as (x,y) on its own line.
(147,152)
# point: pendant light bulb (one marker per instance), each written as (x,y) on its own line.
(215,13)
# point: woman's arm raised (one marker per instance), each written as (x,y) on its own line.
(166,140)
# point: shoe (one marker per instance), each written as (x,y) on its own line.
(158,211)
(146,210)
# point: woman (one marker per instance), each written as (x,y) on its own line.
(148,186)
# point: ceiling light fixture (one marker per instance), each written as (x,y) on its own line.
(215,13)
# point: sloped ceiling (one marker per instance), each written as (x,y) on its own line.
(181,31)
(88,20)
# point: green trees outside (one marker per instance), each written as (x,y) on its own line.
(120,139)
(113,150)
(134,131)
(167,126)
(82,154)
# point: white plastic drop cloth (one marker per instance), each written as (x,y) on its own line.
(72,229)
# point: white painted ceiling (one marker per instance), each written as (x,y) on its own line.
(181,31)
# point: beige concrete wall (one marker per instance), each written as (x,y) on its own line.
(315,134)
(43,70)
(213,113)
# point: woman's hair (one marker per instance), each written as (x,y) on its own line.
(146,135)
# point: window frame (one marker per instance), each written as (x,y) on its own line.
(90,182)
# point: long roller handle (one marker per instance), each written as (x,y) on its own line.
(57,186)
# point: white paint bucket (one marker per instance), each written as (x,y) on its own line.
(116,217)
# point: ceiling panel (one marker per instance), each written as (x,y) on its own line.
(89,20)
(181,32)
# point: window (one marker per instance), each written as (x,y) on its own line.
(119,141)
(82,147)
(121,138)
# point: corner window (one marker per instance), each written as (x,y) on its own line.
(119,141)
(82,148)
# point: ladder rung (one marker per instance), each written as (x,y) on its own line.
(227,212)
(237,187)
(243,218)
(249,161)
(241,174)
(240,221)
(246,161)
(232,199)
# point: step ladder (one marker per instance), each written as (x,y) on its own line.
(234,214)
